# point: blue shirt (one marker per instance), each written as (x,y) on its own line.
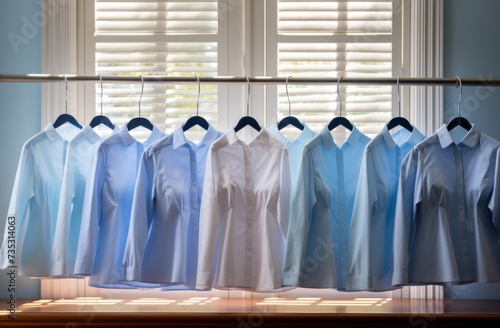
(294,147)
(34,201)
(318,236)
(162,245)
(447,227)
(107,206)
(77,166)
(370,242)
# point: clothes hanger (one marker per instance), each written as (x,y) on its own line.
(399,120)
(196,120)
(247,120)
(459,120)
(339,120)
(66,118)
(289,120)
(101,119)
(140,121)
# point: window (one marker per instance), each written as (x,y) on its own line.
(234,37)
(302,38)
(157,38)
(333,39)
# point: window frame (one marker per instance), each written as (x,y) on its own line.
(244,23)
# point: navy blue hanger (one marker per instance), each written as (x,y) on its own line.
(247,120)
(339,120)
(399,120)
(101,119)
(196,120)
(459,120)
(66,118)
(140,121)
(289,120)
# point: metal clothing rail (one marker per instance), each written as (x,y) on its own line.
(422,81)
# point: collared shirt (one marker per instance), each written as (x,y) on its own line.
(34,202)
(79,158)
(162,244)
(244,214)
(294,147)
(370,241)
(448,216)
(107,206)
(318,236)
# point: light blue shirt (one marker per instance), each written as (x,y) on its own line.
(107,206)
(78,160)
(34,202)
(294,147)
(370,242)
(162,244)
(318,236)
(447,227)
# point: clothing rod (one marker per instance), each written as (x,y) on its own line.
(422,81)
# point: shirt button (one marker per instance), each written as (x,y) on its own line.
(194,206)
(195,228)
(194,183)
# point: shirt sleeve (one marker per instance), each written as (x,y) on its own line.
(494,203)
(140,219)
(61,234)
(209,223)
(408,198)
(18,211)
(303,200)
(91,215)
(359,260)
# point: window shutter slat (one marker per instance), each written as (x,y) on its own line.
(120,22)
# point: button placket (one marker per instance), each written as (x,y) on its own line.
(248,214)
(461,212)
(341,215)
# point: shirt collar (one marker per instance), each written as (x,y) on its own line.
(470,140)
(129,140)
(353,138)
(179,138)
(261,139)
(303,137)
(52,133)
(90,134)
(414,138)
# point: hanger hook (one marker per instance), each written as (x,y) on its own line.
(459,82)
(248,95)
(66,94)
(100,78)
(198,97)
(142,91)
(399,99)
(339,98)
(288,97)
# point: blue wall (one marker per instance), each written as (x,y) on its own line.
(20,44)
(472,49)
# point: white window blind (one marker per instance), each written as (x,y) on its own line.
(160,38)
(333,39)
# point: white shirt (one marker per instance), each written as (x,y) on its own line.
(244,214)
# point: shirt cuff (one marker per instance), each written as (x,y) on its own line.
(133,273)
(399,278)
(291,279)
(83,267)
(58,269)
(359,282)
